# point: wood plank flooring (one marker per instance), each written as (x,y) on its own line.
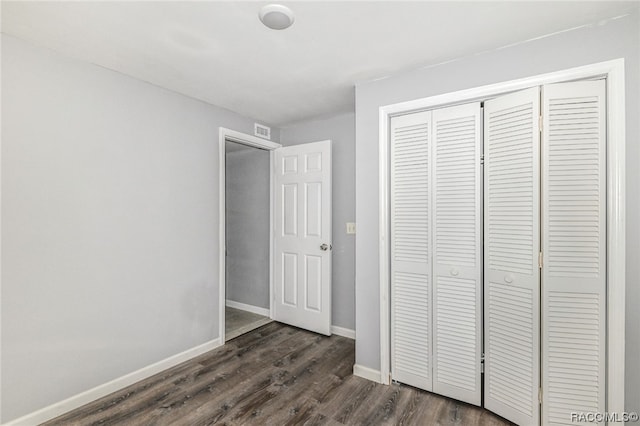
(274,375)
(238,322)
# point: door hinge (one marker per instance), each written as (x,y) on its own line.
(540,260)
(482,159)
(539,395)
(540,124)
(482,363)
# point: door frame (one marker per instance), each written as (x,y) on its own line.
(256,142)
(613,71)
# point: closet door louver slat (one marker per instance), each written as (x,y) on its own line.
(411,284)
(574,247)
(512,244)
(457,212)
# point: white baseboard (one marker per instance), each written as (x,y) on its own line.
(367,373)
(344,332)
(249,308)
(59,408)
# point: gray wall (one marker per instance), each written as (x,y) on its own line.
(247,225)
(600,42)
(109,225)
(341,130)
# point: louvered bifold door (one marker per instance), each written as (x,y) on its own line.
(512,237)
(574,248)
(411,250)
(457,248)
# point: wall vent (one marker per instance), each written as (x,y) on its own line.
(262,131)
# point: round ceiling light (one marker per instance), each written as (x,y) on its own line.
(276,16)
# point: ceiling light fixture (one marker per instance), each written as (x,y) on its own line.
(276,16)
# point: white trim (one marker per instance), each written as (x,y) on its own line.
(222,239)
(1,398)
(272,235)
(482,93)
(249,308)
(616,245)
(244,139)
(344,332)
(78,400)
(614,73)
(366,373)
(383,185)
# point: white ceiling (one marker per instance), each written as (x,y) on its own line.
(219,52)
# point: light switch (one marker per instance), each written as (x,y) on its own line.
(351,228)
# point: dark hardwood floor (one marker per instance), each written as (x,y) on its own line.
(274,375)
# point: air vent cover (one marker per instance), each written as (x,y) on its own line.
(262,131)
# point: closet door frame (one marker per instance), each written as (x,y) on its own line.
(613,71)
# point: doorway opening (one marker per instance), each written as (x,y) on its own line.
(298,247)
(245,233)
(247,238)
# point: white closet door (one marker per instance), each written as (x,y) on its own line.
(512,244)
(574,247)
(411,250)
(457,247)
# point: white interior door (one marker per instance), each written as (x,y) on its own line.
(574,248)
(457,247)
(302,236)
(411,286)
(512,246)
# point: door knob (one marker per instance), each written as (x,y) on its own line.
(325,247)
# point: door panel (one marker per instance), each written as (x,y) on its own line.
(457,246)
(574,247)
(512,245)
(313,281)
(290,209)
(302,209)
(411,287)
(290,279)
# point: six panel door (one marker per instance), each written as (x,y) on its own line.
(302,240)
